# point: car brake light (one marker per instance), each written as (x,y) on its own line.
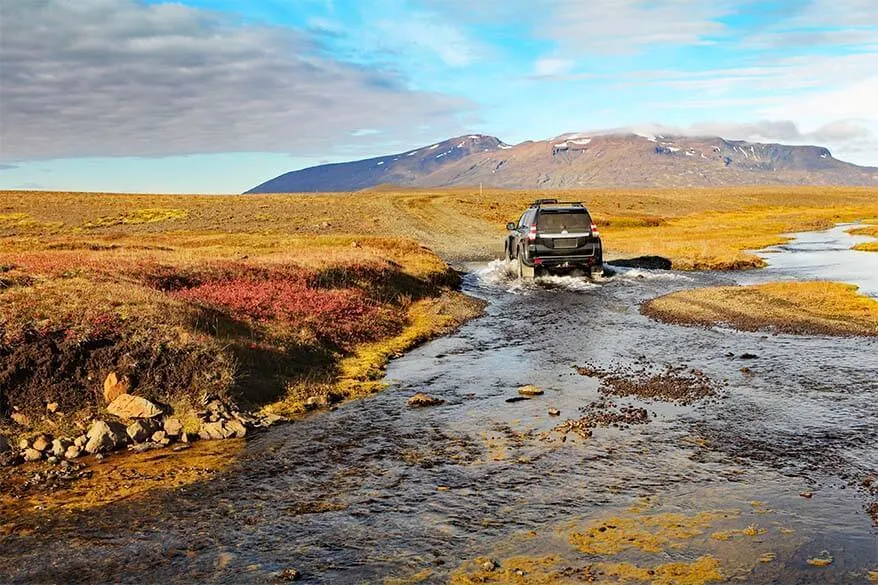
(594,230)
(532,234)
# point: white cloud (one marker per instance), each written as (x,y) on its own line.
(553,67)
(119,77)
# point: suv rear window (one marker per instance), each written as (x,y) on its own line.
(574,221)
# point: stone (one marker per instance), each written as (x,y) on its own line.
(212,431)
(130,406)
(32,455)
(235,428)
(159,437)
(421,400)
(72,452)
(4,444)
(315,402)
(105,436)
(80,441)
(490,565)
(289,575)
(173,427)
(141,430)
(554,412)
(20,418)
(60,446)
(52,460)
(115,387)
(530,390)
(52,407)
(42,443)
(23,444)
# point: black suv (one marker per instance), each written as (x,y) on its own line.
(554,235)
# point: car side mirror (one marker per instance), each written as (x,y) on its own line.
(511,226)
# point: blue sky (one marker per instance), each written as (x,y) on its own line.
(215,96)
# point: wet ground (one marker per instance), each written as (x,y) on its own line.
(760,472)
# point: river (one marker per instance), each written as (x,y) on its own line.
(377,492)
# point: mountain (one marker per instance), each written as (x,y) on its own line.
(580,160)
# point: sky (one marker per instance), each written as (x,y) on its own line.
(217,96)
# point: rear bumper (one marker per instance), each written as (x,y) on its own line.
(540,256)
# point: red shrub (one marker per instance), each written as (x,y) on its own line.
(339,316)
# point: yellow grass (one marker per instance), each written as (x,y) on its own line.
(695,228)
(794,307)
(867,247)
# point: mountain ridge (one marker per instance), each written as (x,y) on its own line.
(582,160)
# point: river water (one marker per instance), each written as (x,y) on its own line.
(376,492)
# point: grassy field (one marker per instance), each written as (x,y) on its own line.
(268,320)
(284,299)
(871,229)
(821,308)
(695,228)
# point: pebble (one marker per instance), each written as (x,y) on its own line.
(554,412)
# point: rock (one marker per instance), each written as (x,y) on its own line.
(20,418)
(236,428)
(421,400)
(289,575)
(52,407)
(80,441)
(52,460)
(554,412)
(270,419)
(42,443)
(212,431)
(72,452)
(530,390)
(23,444)
(748,356)
(4,444)
(315,402)
(141,430)
(114,387)
(60,446)
(490,565)
(130,406)
(647,262)
(517,399)
(159,437)
(105,436)
(173,427)
(32,455)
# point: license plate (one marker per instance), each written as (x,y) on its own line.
(565,243)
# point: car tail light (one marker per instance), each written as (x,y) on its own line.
(594,230)
(538,261)
(532,234)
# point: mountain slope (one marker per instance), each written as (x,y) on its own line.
(579,161)
(405,168)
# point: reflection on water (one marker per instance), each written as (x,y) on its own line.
(824,255)
(377,491)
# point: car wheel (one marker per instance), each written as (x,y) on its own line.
(525,272)
(597,271)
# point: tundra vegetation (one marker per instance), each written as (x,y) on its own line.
(286,303)
(820,308)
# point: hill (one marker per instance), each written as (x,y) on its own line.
(574,161)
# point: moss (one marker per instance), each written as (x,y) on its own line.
(649,533)
(703,570)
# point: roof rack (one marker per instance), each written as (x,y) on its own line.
(541,202)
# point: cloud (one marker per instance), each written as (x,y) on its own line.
(605,26)
(553,67)
(7,167)
(123,78)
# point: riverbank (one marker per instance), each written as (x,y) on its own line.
(813,308)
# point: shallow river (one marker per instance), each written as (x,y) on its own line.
(376,491)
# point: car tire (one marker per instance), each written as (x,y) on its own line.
(507,253)
(597,271)
(525,272)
